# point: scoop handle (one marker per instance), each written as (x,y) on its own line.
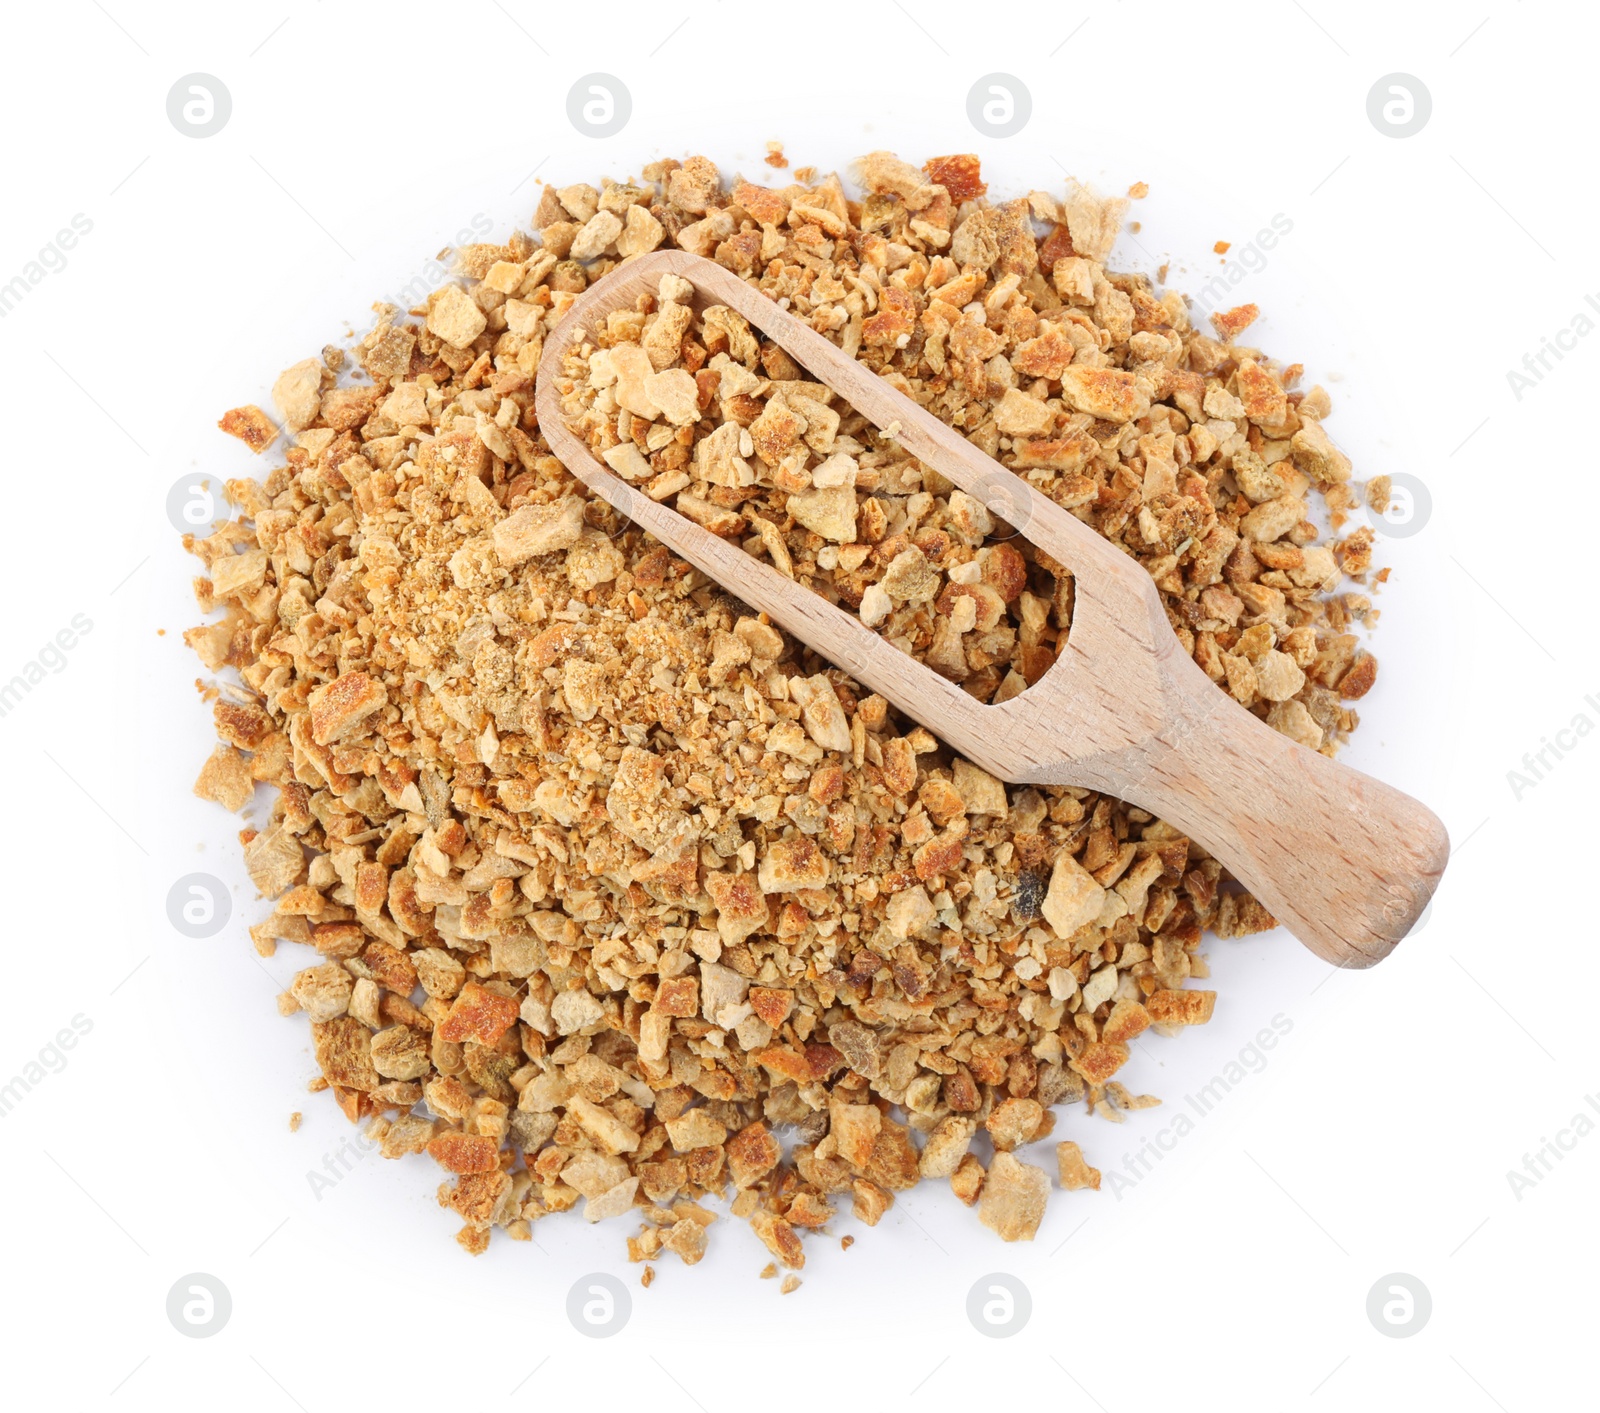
(1344,861)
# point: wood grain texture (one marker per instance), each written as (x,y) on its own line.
(1345,862)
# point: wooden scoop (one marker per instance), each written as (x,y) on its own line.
(1344,861)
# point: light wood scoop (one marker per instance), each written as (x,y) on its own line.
(1345,862)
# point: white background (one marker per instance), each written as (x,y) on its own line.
(1378,1135)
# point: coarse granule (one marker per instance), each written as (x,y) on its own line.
(614,887)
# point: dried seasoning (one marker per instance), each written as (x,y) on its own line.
(617,893)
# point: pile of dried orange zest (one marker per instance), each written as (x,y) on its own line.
(613,883)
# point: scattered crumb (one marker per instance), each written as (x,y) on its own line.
(250,425)
(1074,1172)
(1233,322)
